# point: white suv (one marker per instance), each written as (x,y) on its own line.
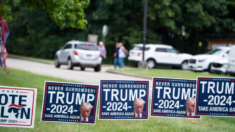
(159,54)
(204,61)
(78,53)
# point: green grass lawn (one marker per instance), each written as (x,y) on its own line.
(20,78)
(169,73)
(50,61)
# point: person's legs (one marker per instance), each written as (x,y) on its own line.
(121,62)
(102,60)
(115,62)
(123,65)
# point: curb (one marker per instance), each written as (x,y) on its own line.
(29,59)
(129,74)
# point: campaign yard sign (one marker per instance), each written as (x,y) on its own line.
(123,100)
(215,96)
(173,98)
(69,102)
(17,106)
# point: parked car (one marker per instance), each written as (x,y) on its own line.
(219,66)
(231,61)
(79,53)
(159,54)
(204,61)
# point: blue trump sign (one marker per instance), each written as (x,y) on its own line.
(69,102)
(215,96)
(173,98)
(123,100)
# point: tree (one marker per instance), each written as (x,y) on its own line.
(62,12)
(232,3)
(179,15)
(180,23)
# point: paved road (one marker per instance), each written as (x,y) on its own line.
(88,76)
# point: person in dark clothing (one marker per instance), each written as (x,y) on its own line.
(116,56)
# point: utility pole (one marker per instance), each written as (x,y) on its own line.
(145,26)
(144,65)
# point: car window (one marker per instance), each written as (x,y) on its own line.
(86,46)
(214,52)
(141,48)
(226,54)
(68,46)
(160,50)
(172,51)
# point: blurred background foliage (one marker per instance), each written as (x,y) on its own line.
(180,23)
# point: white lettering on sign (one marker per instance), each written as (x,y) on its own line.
(169,93)
(218,87)
(132,94)
(70,98)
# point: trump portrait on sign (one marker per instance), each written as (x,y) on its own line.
(138,108)
(190,104)
(85,110)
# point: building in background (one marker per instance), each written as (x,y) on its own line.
(224,40)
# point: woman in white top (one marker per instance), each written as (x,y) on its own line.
(121,55)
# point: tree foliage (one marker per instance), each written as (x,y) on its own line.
(180,23)
(61,11)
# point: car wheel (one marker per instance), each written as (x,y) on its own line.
(57,64)
(209,68)
(184,65)
(151,63)
(82,68)
(70,64)
(97,68)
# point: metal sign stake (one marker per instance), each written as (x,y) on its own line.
(112,125)
(163,124)
(208,124)
(132,125)
(56,126)
(184,125)
(80,126)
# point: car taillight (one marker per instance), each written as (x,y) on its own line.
(140,53)
(100,55)
(75,52)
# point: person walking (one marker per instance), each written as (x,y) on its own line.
(116,56)
(102,49)
(122,55)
